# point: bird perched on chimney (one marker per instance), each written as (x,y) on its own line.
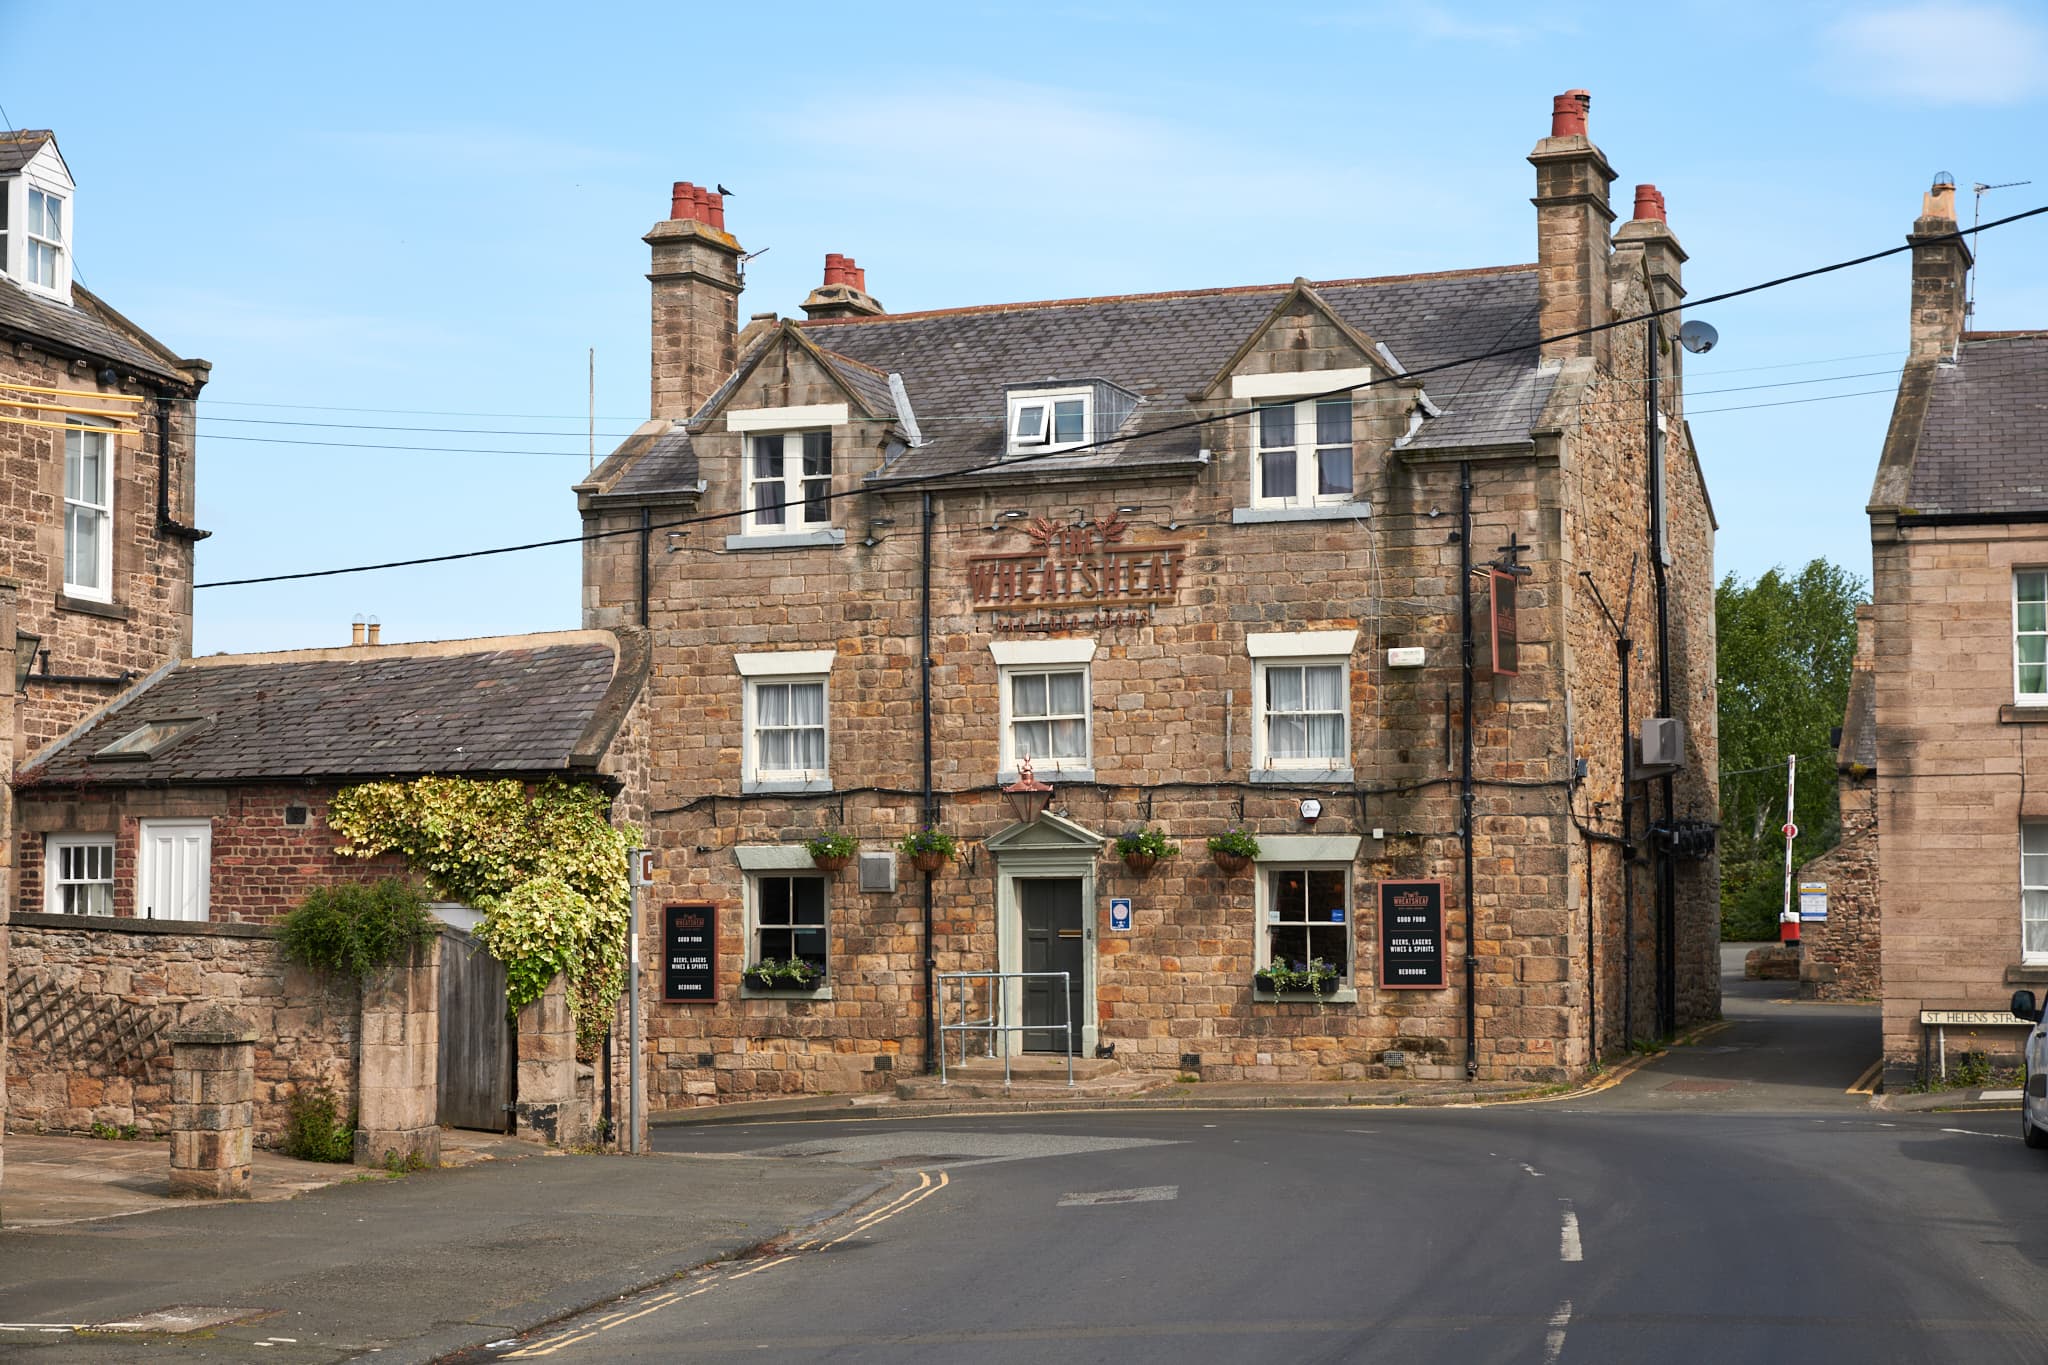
(723,190)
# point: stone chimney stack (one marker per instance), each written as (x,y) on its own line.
(844,294)
(696,278)
(1941,271)
(1572,218)
(1662,255)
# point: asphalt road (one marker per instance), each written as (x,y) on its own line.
(1729,1203)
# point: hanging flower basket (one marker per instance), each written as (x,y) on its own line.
(928,849)
(833,851)
(1142,851)
(1233,850)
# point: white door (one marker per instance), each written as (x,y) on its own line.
(173,869)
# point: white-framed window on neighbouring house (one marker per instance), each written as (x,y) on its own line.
(789,481)
(1301,453)
(2030,636)
(2034,890)
(1306,914)
(88,511)
(43,240)
(78,874)
(790,918)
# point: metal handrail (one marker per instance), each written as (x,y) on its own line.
(996,1021)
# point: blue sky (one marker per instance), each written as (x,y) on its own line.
(422,216)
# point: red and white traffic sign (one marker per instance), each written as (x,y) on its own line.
(1791,831)
(642,860)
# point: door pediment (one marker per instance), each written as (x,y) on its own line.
(1048,834)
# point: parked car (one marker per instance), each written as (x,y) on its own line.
(2034,1103)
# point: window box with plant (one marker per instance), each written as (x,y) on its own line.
(1233,850)
(1143,850)
(833,851)
(793,974)
(928,849)
(1315,979)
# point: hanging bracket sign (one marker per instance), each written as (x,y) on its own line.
(1412,936)
(689,954)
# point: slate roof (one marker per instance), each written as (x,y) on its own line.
(661,460)
(75,331)
(956,363)
(518,705)
(1983,447)
(19,146)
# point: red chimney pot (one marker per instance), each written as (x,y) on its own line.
(679,199)
(715,202)
(1649,204)
(1568,114)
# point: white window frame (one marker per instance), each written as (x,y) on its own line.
(791,485)
(1267,872)
(2037,883)
(754,899)
(2021,696)
(1067,655)
(779,668)
(1045,403)
(103,591)
(1040,762)
(1300,649)
(52,247)
(54,880)
(1306,452)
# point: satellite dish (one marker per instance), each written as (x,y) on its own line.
(1698,337)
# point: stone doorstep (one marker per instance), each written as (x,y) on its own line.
(982,1087)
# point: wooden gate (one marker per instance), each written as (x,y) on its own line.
(476,1038)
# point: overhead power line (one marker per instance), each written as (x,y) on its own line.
(926,480)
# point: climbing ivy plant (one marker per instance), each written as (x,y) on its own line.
(543,863)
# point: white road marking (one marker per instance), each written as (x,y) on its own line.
(1553,1340)
(1975,1132)
(2001,1094)
(1569,1248)
(1144,1195)
(1532,1170)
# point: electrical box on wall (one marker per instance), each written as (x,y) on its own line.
(1408,656)
(1660,748)
(878,872)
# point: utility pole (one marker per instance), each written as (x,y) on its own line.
(640,862)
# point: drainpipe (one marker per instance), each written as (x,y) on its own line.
(646,536)
(1623,647)
(166,524)
(1667,888)
(1592,963)
(1465,765)
(931,814)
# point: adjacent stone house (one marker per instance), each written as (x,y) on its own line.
(160,840)
(96,484)
(1270,557)
(1959,546)
(1839,956)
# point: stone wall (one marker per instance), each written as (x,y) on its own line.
(90,1004)
(1842,954)
(262,867)
(1957,770)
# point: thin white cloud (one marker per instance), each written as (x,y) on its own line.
(1444,24)
(1940,52)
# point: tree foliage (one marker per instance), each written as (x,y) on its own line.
(356,930)
(544,864)
(1785,644)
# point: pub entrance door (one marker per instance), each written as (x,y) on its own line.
(1050,910)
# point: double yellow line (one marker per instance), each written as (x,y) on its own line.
(926,1187)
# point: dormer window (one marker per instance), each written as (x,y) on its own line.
(1053,419)
(1301,453)
(43,254)
(789,480)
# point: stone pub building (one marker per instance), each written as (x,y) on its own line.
(1248,557)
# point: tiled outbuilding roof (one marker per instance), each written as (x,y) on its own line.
(1983,448)
(956,363)
(523,705)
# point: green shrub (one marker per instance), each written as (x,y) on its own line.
(356,930)
(313,1129)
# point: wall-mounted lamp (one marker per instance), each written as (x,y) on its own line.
(1129,511)
(24,657)
(1028,797)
